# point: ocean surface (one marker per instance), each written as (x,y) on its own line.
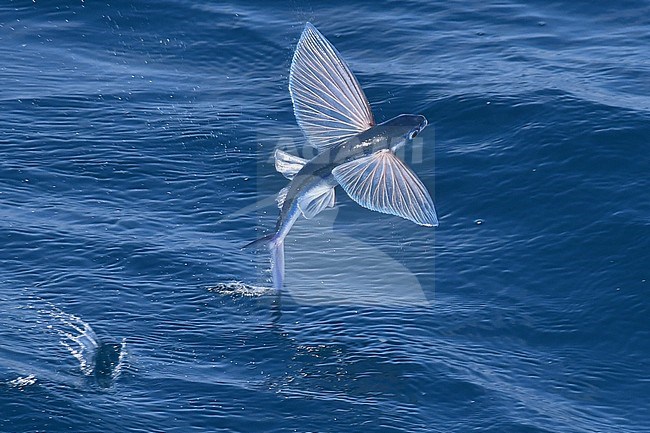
(135,162)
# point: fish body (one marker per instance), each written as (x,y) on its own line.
(316,174)
(354,152)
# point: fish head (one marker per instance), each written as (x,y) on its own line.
(404,128)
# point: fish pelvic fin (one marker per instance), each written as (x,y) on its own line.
(282,196)
(316,200)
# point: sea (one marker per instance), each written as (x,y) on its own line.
(136,160)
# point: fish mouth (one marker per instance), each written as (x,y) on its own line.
(423,124)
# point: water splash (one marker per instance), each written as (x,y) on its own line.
(80,340)
(22,382)
(238,288)
(102,360)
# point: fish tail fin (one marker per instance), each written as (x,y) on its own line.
(259,243)
(276,247)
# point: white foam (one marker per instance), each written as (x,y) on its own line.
(76,336)
(22,382)
(120,362)
(238,288)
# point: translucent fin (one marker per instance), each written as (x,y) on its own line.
(282,196)
(383,183)
(288,164)
(316,200)
(261,242)
(328,102)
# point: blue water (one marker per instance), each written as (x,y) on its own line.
(135,145)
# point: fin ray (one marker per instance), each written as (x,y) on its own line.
(383,183)
(328,101)
(315,201)
(282,196)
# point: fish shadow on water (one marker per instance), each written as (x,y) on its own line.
(325,269)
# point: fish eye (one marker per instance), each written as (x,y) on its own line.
(413,134)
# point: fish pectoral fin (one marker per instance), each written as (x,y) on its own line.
(328,101)
(316,200)
(282,196)
(288,164)
(383,183)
